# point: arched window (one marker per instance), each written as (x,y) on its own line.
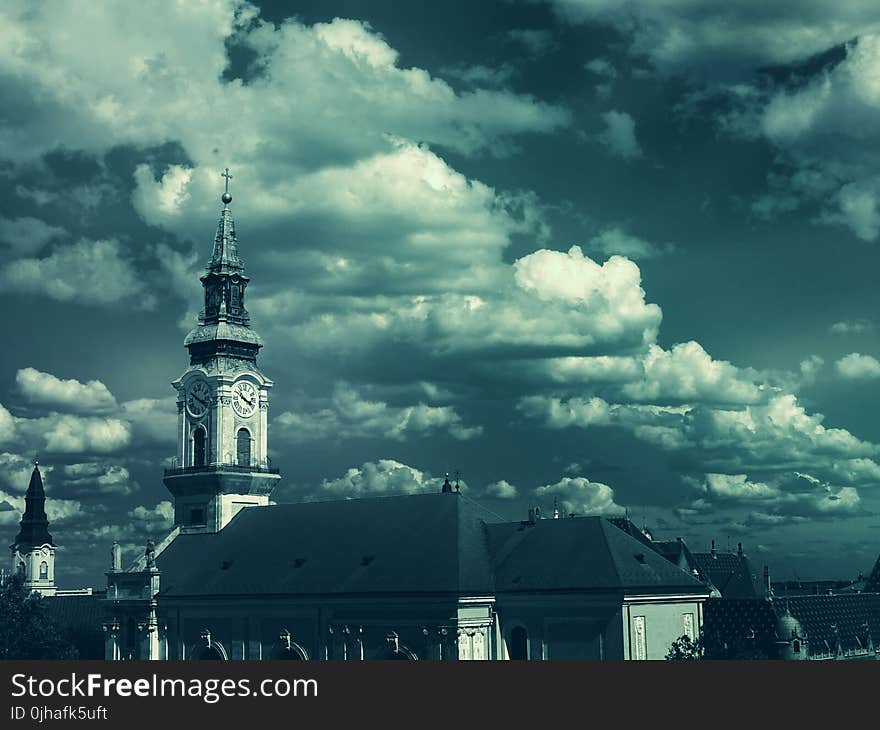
(199,438)
(518,643)
(44,570)
(21,568)
(211,653)
(243,447)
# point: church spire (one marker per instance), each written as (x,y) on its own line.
(224,258)
(34,523)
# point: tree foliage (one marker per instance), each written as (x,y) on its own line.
(26,632)
(686,648)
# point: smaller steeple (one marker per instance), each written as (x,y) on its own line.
(34,529)
(447,487)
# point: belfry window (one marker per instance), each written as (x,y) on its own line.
(243,447)
(44,570)
(199,447)
(518,643)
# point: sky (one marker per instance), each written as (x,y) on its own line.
(604,255)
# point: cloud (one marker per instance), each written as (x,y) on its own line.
(777,435)
(536,42)
(152,420)
(787,497)
(351,416)
(687,373)
(44,389)
(613,240)
(501,489)
(92,272)
(620,135)
(385,476)
(69,434)
(26,236)
(579,495)
(155,519)
(705,39)
(858,367)
(852,327)
(91,478)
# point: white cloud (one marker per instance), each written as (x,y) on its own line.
(776,435)
(154,519)
(94,272)
(858,367)
(580,496)
(351,416)
(45,389)
(98,478)
(852,327)
(501,489)
(151,419)
(687,373)
(69,434)
(620,135)
(384,476)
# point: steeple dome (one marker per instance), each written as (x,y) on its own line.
(34,523)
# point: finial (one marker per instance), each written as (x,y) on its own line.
(226,197)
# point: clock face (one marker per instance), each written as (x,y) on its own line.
(197,398)
(244,398)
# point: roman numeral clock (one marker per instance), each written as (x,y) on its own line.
(222,462)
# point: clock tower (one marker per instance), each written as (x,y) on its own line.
(222,400)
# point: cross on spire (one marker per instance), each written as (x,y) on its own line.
(228,178)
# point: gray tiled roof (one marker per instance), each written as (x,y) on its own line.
(426,543)
(581,553)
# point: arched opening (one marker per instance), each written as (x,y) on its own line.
(199,439)
(243,447)
(518,643)
(44,570)
(211,653)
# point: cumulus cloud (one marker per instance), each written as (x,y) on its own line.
(63,433)
(385,476)
(351,416)
(787,497)
(858,367)
(93,478)
(501,489)
(94,272)
(852,327)
(619,135)
(154,519)
(776,435)
(579,495)
(45,389)
(152,420)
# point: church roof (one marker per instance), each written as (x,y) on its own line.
(581,553)
(730,573)
(420,544)
(851,618)
(424,543)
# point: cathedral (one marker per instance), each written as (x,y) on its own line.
(418,576)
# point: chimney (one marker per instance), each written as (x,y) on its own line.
(532,515)
(116,557)
(712,551)
(767,588)
(739,549)
(537,513)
